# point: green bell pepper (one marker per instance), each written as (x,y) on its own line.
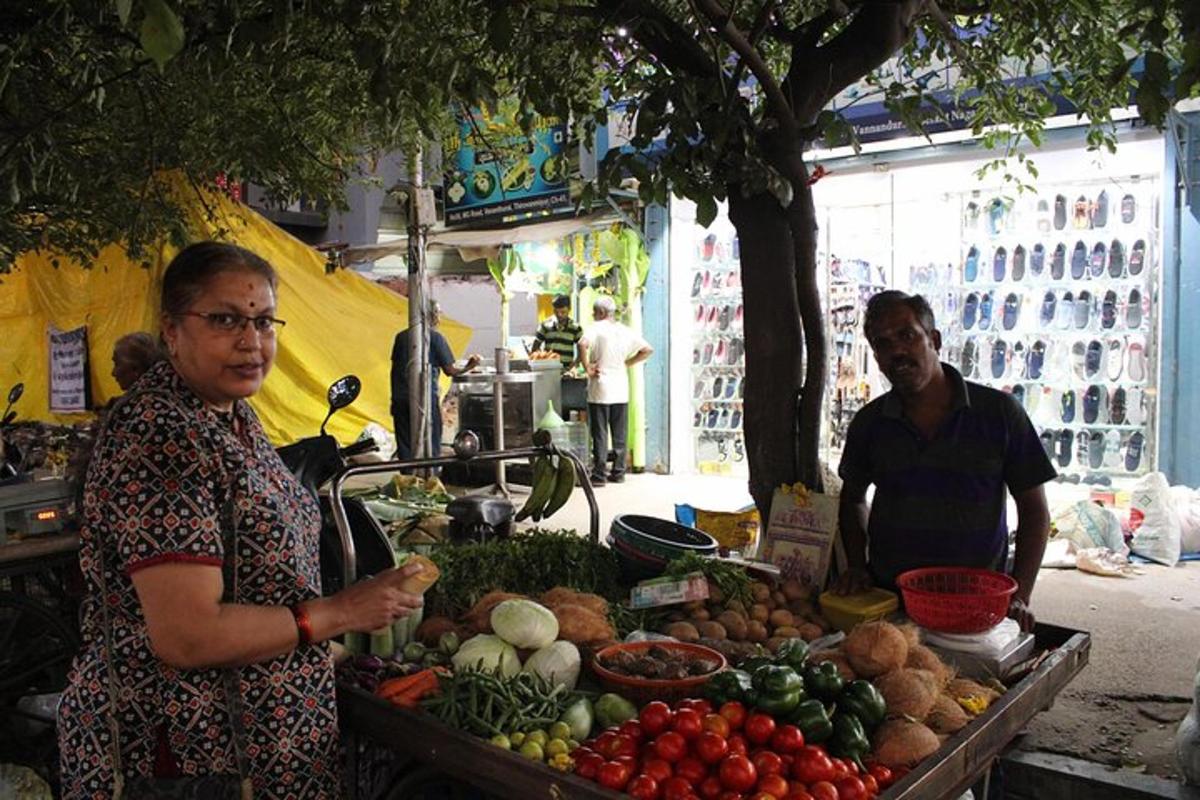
(813,721)
(754,662)
(780,689)
(823,681)
(792,653)
(728,686)
(849,739)
(864,701)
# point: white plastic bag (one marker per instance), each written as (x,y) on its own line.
(1102,561)
(1088,525)
(383,440)
(1187,508)
(1157,537)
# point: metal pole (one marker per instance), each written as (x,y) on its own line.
(418,317)
(498,416)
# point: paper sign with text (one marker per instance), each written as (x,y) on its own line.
(68,370)
(800,534)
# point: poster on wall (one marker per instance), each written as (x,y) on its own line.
(68,370)
(496,172)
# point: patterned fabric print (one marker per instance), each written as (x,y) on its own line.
(154,492)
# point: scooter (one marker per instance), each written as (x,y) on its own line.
(11,458)
(314,461)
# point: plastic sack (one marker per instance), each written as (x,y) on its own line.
(1187,509)
(1102,561)
(1157,537)
(383,440)
(1088,525)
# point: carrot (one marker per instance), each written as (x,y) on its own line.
(407,691)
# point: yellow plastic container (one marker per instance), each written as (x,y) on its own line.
(846,611)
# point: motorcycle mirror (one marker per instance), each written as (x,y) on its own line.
(341,394)
(14,394)
(8,418)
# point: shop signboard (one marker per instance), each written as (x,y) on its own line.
(495,172)
(68,370)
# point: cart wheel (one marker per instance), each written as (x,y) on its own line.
(36,647)
(427,783)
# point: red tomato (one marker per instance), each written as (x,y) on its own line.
(710,788)
(622,745)
(586,764)
(670,746)
(643,787)
(735,712)
(773,785)
(823,790)
(700,706)
(711,747)
(738,773)
(717,724)
(871,784)
(798,793)
(657,768)
(788,759)
(688,723)
(731,795)
(840,770)
(882,775)
(629,761)
(851,788)
(762,796)
(768,763)
(692,770)
(676,788)
(737,745)
(787,739)
(759,728)
(852,765)
(656,717)
(602,743)
(613,775)
(813,765)
(633,729)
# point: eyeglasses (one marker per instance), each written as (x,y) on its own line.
(227,322)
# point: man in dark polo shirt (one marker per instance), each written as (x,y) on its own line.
(560,334)
(943,454)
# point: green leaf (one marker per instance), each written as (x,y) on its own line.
(162,33)
(706,210)
(123,9)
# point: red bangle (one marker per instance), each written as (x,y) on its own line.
(303,622)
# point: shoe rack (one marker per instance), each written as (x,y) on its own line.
(1056,301)
(718,356)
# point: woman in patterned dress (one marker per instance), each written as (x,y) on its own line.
(181,449)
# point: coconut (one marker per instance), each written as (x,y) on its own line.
(964,689)
(921,657)
(900,743)
(874,648)
(912,634)
(908,692)
(947,715)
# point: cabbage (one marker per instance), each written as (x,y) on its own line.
(524,624)
(557,663)
(487,652)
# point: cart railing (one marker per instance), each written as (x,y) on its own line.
(542,447)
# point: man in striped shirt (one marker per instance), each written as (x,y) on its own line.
(560,334)
(943,453)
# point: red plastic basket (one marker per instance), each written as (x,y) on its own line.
(956,599)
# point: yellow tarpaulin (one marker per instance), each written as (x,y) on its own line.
(336,324)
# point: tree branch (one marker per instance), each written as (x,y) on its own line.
(780,108)
(761,23)
(661,35)
(875,34)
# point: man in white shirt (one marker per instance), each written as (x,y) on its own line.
(608,349)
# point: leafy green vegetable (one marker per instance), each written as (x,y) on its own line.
(626,619)
(732,579)
(529,563)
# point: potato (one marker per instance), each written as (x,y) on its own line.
(712,630)
(700,615)
(781,618)
(736,605)
(690,608)
(802,608)
(760,613)
(769,603)
(760,591)
(734,623)
(676,616)
(810,631)
(756,631)
(773,644)
(795,590)
(779,599)
(715,594)
(786,633)
(683,631)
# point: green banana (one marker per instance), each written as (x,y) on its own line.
(541,486)
(564,484)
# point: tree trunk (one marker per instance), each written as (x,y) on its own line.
(773,336)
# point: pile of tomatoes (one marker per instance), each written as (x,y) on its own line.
(694,751)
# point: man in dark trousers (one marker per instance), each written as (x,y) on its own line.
(440,359)
(943,454)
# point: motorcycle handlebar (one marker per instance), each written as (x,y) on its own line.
(358,448)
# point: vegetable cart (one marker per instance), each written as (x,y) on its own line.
(963,760)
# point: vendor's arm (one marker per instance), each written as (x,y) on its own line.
(853,513)
(583,357)
(441,357)
(642,353)
(190,628)
(1033,529)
